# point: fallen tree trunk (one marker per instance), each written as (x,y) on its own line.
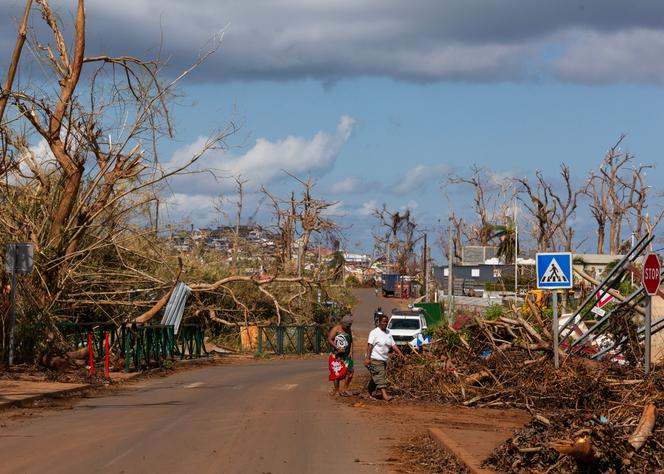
(149,314)
(644,428)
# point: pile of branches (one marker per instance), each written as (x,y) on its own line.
(588,406)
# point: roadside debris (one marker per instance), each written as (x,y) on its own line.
(588,416)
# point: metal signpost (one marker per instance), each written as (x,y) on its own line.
(18,259)
(651,281)
(554,272)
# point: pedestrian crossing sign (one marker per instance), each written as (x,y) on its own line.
(554,270)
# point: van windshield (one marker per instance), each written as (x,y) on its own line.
(404,324)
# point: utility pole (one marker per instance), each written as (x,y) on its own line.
(516,255)
(450,296)
(425,270)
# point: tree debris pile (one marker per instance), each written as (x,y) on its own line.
(576,441)
(424,456)
(585,414)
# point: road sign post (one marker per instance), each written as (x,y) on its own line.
(18,259)
(554,272)
(651,280)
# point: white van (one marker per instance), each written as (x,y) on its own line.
(407,328)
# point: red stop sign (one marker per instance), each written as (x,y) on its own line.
(651,271)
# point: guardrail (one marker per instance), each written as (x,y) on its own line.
(141,345)
(147,344)
(190,341)
(291,339)
(77,334)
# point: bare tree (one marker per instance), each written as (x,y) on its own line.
(551,210)
(298,220)
(619,198)
(92,174)
(398,239)
(81,139)
(239,186)
(311,219)
(567,202)
(486,202)
(542,207)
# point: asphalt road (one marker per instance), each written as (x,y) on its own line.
(271,416)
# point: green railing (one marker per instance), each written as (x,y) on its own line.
(290,339)
(146,345)
(190,341)
(77,335)
(141,345)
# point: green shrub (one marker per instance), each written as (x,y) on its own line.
(494,311)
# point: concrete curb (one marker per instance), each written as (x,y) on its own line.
(458,451)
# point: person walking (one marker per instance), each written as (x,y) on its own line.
(379,346)
(340,359)
(377,314)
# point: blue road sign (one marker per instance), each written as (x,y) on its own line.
(554,270)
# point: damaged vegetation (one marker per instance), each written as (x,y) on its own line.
(82,181)
(587,416)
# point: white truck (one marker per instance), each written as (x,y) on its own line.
(407,328)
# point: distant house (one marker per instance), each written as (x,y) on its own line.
(477,254)
(594,264)
(357,259)
(472,280)
(481,272)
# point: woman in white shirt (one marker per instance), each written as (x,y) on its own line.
(379,346)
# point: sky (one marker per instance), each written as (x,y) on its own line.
(380,101)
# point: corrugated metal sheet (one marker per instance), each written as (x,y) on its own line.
(175,306)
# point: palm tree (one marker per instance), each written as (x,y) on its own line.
(506,234)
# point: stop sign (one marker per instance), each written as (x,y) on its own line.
(651,271)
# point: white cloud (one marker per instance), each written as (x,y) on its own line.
(346,185)
(336,210)
(263,164)
(411,205)
(367,208)
(420,176)
(198,208)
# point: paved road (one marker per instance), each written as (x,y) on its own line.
(266,417)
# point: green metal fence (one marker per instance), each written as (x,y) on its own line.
(190,341)
(290,339)
(77,335)
(145,345)
(141,345)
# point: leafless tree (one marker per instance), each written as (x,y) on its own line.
(239,186)
(619,198)
(551,210)
(99,163)
(397,239)
(78,141)
(298,220)
(489,204)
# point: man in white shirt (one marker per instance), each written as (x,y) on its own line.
(379,346)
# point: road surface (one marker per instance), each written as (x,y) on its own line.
(271,416)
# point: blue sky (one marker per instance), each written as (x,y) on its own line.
(380,101)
